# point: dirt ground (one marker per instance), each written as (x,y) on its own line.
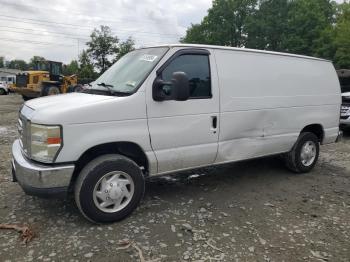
(249,211)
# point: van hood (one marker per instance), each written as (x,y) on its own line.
(78,108)
(68,101)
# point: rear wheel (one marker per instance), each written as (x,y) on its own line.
(109,188)
(2,92)
(304,154)
(50,91)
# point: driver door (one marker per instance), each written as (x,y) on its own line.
(184,134)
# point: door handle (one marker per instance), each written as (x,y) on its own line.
(214,123)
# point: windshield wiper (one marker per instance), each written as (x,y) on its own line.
(110,90)
(108,86)
(104,85)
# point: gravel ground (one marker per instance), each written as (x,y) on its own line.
(249,211)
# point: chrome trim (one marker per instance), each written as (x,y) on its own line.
(36,175)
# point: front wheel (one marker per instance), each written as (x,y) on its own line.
(304,154)
(50,91)
(109,188)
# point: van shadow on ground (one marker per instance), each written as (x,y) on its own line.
(211,183)
(248,182)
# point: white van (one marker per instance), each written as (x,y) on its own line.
(169,108)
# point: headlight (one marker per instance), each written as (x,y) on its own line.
(46,141)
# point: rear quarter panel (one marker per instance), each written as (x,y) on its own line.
(266,100)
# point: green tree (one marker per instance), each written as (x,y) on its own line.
(125,47)
(71,69)
(34,61)
(324,45)
(102,47)
(196,34)
(307,19)
(224,24)
(267,26)
(17,64)
(2,61)
(342,37)
(86,70)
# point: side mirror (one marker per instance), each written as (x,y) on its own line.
(179,88)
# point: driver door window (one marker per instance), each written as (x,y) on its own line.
(198,72)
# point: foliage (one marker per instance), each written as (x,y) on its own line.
(17,64)
(342,37)
(124,48)
(102,47)
(267,27)
(307,19)
(2,61)
(71,69)
(86,70)
(224,24)
(310,27)
(34,60)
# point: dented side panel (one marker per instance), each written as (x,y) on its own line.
(266,100)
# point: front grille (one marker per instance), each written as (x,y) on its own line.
(21,80)
(24,134)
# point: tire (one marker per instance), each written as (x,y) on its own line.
(87,191)
(78,88)
(74,89)
(50,90)
(2,92)
(70,89)
(294,160)
(26,98)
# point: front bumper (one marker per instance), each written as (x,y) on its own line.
(38,179)
(29,92)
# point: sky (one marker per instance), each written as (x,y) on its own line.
(58,30)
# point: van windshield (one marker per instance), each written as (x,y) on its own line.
(126,75)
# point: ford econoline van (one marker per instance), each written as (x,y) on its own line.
(170,108)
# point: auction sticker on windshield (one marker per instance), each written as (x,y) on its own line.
(148,58)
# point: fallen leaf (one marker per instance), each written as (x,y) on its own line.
(26,232)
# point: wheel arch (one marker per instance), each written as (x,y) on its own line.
(125,148)
(6,92)
(47,84)
(316,129)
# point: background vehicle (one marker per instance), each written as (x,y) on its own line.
(44,81)
(344,78)
(171,108)
(345,110)
(3,88)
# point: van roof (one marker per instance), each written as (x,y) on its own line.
(242,50)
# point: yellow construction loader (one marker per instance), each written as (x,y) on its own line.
(45,80)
